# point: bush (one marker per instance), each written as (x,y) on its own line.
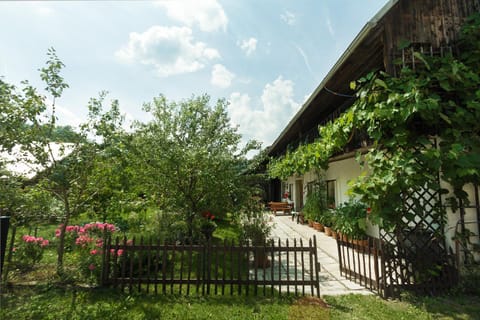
(350,219)
(255,223)
(30,251)
(88,247)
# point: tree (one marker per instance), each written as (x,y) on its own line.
(189,157)
(65,170)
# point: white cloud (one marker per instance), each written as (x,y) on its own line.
(207,14)
(330,27)
(305,59)
(170,50)
(289,18)
(41,8)
(248,45)
(265,121)
(221,76)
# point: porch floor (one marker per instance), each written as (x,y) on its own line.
(331,283)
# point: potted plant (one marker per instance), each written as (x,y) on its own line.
(350,220)
(326,218)
(207,225)
(316,203)
(256,228)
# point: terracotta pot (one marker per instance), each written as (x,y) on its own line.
(334,234)
(360,243)
(261,261)
(301,218)
(328,231)
(310,223)
(318,226)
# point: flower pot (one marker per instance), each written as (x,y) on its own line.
(310,223)
(328,231)
(334,234)
(318,226)
(360,243)
(260,259)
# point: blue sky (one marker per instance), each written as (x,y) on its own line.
(264,56)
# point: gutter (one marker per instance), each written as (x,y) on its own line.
(346,54)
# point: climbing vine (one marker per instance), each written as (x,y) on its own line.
(423,123)
(333,137)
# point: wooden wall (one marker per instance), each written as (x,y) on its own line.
(434,23)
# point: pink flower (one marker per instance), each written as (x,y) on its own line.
(91,267)
(72,228)
(57,233)
(94,251)
(44,243)
(83,240)
(119,252)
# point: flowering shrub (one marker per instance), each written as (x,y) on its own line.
(30,250)
(207,225)
(87,242)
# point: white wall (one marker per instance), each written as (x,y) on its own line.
(453,219)
(342,171)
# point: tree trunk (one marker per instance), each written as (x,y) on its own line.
(61,244)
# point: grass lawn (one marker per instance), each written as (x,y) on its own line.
(53,302)
(49,298)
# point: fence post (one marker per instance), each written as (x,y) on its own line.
(105,262)
(4,224)
(317,265)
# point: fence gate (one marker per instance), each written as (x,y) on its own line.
(412,257)
(290,266)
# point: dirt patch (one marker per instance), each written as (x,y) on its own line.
(311,301)
(307,308)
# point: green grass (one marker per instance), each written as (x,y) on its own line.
(53,302)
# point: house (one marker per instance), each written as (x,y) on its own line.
(430,26)
(23,164)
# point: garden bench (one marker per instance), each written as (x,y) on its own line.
(285,207)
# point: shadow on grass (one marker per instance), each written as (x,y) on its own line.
(68,302)
(449,306)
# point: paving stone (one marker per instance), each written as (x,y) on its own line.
(331,282)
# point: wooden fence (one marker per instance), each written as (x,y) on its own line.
(360,262)
(387,268)
(226,268)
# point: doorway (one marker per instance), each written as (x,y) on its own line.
(298,195)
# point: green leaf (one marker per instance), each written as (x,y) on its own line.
(353,85)
(420,57)
(381,83)
(445,117)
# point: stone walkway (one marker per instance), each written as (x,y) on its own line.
(331,283)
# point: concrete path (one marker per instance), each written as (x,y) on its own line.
(331,283)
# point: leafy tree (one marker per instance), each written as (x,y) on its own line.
(189,157)
(66,174)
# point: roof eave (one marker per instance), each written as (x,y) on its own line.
(369,26)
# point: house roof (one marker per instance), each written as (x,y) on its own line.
(22,163)
(363,55)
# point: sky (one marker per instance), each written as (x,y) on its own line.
(265,57)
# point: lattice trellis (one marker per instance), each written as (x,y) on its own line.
(414,254)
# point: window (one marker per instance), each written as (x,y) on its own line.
(331,199)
